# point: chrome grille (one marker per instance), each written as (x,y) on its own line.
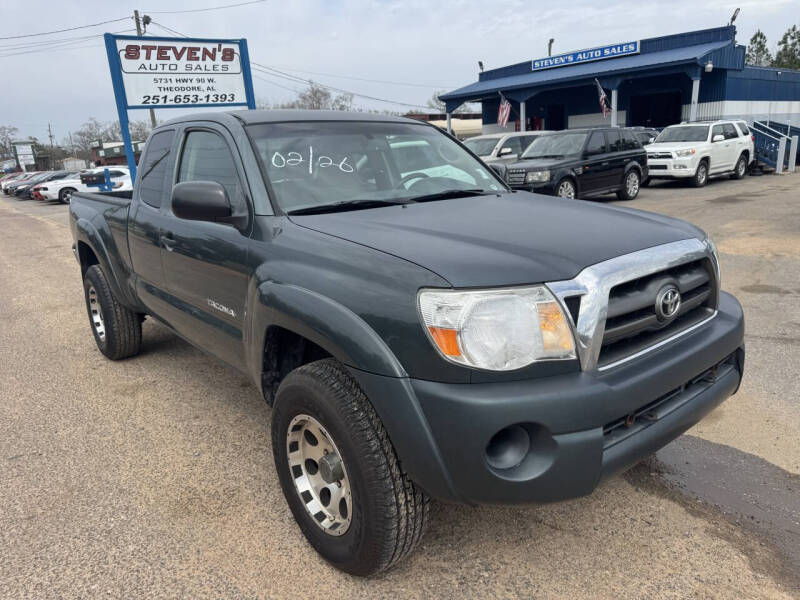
(659,155)
(632,319)
(515,176)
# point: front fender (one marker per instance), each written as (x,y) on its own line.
(333,327)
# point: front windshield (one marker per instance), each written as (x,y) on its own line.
(556,145)
(321,163)
(481,146)
(687,133)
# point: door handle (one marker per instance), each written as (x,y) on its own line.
(167,241)
(605,164)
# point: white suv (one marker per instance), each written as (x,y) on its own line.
(502,147)
(697,151)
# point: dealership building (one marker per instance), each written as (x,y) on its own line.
(653,82)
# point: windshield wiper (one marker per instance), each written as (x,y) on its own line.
(356,204)
(454,193)
(544,156)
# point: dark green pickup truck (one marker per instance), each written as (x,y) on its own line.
(420,330)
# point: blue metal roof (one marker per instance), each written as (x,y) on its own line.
(612,67)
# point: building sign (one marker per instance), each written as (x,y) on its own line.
(25,154)
(174,72)
(581,56)
(151,72)
(9,165)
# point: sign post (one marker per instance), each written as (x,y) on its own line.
(176,73)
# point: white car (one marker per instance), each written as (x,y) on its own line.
(63,189)
(501,147)
(697,151)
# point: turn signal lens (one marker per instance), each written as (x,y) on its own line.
(446,340)
(556,334)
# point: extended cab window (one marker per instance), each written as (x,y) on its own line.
(310,165)
(154,168)
(206,157)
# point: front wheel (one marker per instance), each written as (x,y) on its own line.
(701,175)
(741,168)
(630,186)
(340,474)
(117,329)
(565,189)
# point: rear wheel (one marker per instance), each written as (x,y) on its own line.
(630,186)
(701,175)
(565,189)
(65,195)
(741,168)
(340,474)
(117,330)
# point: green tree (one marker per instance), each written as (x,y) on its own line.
(757,52)
(788,54)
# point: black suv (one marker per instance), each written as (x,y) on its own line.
(582,162)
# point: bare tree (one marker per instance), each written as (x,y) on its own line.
(317,97)
(439,106)
(7,135)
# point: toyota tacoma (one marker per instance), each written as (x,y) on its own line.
(419,329)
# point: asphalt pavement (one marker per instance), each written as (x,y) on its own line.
(153,477)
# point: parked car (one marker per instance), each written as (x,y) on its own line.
(696,151)
(63,189)
(645,135)
(11,177)
(582,163)
(35,190)
(21,187)
(417,335)
(9,185)
(501,147)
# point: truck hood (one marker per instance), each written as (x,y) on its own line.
(504,239)
(538,164)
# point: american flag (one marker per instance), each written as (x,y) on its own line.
(603,100)
(504,112)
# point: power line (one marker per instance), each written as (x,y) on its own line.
(196,10)
(56,42)
(27,35)
(67,45)
(422,85)
(266,70)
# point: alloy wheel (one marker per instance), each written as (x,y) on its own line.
(632,185)
(319,474)
(96,314)
(565,190)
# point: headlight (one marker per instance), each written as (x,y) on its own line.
(497,330)
(684,153)
(537,176)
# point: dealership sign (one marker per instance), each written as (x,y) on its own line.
(150,72)
(588,55)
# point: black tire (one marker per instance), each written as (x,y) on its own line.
(565,189)
(389,512)
(701,174)
(65,195)
(119,332)
(740,170)
(630,185)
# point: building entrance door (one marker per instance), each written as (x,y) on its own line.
(655,110)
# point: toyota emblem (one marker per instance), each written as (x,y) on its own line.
(668,302)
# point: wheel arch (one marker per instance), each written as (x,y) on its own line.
(92,251)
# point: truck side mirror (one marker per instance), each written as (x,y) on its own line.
(505,151)
(200,201)
(718,138)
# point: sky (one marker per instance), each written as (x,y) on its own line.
(432,45)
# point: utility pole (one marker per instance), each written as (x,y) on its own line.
(140,33)
(52,149)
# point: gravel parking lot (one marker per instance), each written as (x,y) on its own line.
(153,477)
